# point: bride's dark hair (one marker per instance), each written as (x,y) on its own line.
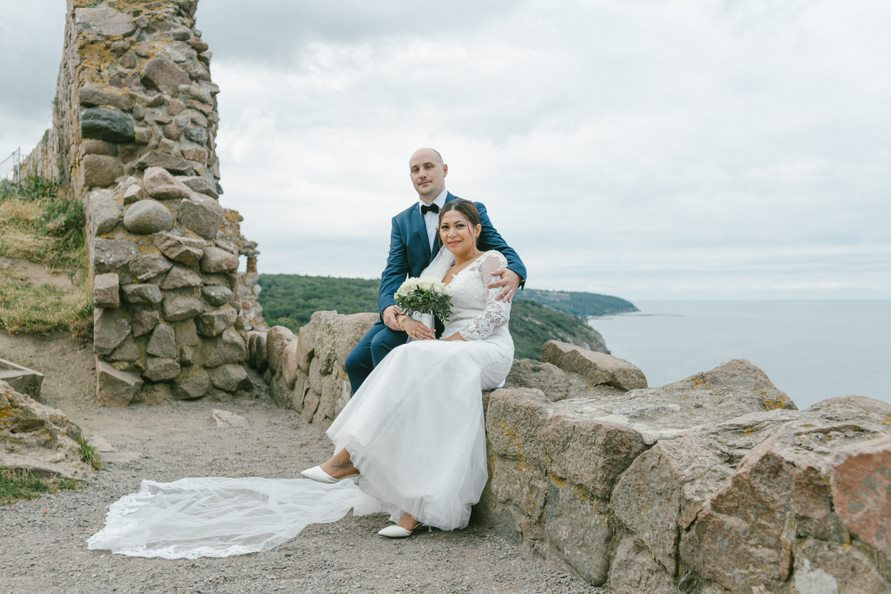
(465,207)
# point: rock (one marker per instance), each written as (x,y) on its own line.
(633,570)
(555,383)
(185,250)
(201,185)
(289,367)
(100,170)
(197,135)
(191,383)
(212,323)
(21,379)
(257,350)
(146,217)
(157,369)
(180,277)
(128,351)
(106,124)
(216,295)
(162,342)
(142,294)
(163,74)
(596,368)
(218,260)
(132,194)
(111,254)
(146,267)
(225,418)
(92,146)
(106,291)
(38,438)
(93,96)
(276,339)
(228,347)
(203,219)
(103,20)
(103,212)
(580,532)
(181,306)
(144,321)
(160,184)
(229,377)
(861,491)
(113,387)
(166,161)
(110,328)
(154,394)
(186,334)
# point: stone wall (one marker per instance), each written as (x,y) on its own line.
(134,128)
(715,483)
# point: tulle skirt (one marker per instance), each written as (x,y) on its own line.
(415,429)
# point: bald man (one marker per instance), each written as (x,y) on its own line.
(414,242)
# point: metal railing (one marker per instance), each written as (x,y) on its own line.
(11,166)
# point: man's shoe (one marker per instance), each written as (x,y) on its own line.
(317,474)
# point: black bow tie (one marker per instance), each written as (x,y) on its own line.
(432,208)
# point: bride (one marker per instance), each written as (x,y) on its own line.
(414,435)
(411,441)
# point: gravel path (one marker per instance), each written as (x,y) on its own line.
(42,541)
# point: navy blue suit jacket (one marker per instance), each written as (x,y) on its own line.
(410,250)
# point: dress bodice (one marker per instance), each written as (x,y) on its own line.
(476,313)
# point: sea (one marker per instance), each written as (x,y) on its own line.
(811,350)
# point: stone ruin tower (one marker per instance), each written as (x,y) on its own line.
(134,127)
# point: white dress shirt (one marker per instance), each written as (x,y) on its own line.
(431,219)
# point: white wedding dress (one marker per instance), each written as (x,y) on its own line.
(415,431)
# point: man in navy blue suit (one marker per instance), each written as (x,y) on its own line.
(414,242)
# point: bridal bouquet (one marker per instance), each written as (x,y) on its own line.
(424,295)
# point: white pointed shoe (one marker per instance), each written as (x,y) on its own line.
(317,474)
(395,531)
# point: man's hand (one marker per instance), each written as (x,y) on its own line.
(509,283)
(389,318)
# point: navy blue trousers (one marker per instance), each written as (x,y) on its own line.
(370,351)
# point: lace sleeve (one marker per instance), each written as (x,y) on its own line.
(496,313)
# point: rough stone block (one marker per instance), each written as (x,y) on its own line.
(112,254)
(100,170)
(106,124)
(202,218)
(160,184)
(144,321)
(110,328)
(163,74)
(191,383)
(113,387)
(103,20)
(162,342)
(229,377)
(289,367)
(276,339)
(596,368)
(103,212)
(213,322)
(181,306)
(146,267)
(185,250)
(216,295)
(228,347)
(158,369)
(180,277)
(106,291)
(149,294)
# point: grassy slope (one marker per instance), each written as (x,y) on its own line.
(40,226)
(290,299)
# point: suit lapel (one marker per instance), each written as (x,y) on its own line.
(419,233)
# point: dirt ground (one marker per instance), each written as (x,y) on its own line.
(42,541)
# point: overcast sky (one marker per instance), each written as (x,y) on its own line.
(687,149)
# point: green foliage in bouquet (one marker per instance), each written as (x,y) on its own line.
(424,295)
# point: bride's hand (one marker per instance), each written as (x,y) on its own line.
(455,336)
(415,329)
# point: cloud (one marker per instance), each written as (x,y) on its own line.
(649,149)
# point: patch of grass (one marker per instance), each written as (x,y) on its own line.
(18,484)
(25,307)
(88,453)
